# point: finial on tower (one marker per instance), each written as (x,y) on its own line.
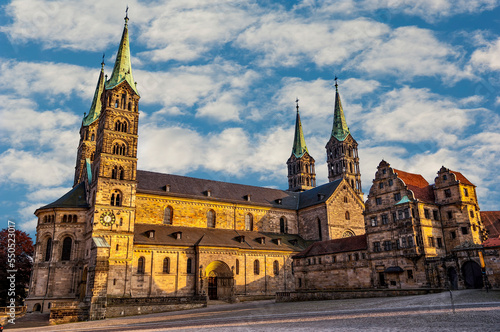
(297,104)
(102,62)
(126,16)
(336,84)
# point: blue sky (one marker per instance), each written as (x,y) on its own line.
(419,81)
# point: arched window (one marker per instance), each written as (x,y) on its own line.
(189,267)
(119,149)
(75,218)
(351,168)
(348,233)
(167,215)
(283,225)
(211,219)
(249,222)
(141,265)
(114,172)
(345,199)
(92,138)
(66,249)
(48,249)
(129,106)
(320,234)
(65,218)
(116,198)
(237,266)
(276,268)
(256,267)
(92,157)
(166,265)
(347,215)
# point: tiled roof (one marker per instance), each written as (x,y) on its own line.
(415,180)
(491,220)
(152,182)
(346,244)
(425,194)
(75,198)
(461,178)
(208,237)
(492,242)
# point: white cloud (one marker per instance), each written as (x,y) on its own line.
(488,57)
(47,195)
(408,52)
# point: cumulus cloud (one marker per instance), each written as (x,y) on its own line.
(487,57)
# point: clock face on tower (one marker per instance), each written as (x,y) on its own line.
(107,218)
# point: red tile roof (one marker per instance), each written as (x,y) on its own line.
(415,180)
(346,244)
(491,220)
(425,194)
(493,242)
(461,178)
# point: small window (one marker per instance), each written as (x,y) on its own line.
(189,266)
(381,185)
(435,214)
(410,241)
(445,177)
(464,230)
(450,215)
(300,282)
(466,192)
(391,182)
(453,234)
(374,221)
(345,199)
(48,249)
(66,249)
(256,267)
(211,219)
(378,201)
(407,213)
(385,220)
(384,171)
(447,193)
(276,268)
(116,198)
(166,265)
(431,241)
(140,265)
(347,215)
(439,242)
(167,215)
(376,246)
(409,274)
(283,225)
(403,242)
(427,214)
(471,213)
(249,222)
(387,245)
(397,197)
(237,267)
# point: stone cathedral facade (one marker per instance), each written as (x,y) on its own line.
(123,233)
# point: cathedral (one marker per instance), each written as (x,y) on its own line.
(124,235)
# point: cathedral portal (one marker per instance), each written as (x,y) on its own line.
(220,282)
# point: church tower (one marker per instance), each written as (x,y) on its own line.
(342,150)
(301,174)
(88,130)
(113,185)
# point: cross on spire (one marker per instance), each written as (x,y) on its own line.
(126,16)
(297,104)
(336,84)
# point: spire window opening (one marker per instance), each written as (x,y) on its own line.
(119,149)
(129,106)
(116,198)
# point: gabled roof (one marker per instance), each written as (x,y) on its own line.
(214,237)
(416,183)
(491,220)
(461,178)
(75,198)
(152,182)
(318,195)
(492,242)
(353,243)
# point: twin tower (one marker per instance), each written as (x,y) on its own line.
(341,155)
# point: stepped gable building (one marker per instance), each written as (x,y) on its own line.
(417,234)
(123,234)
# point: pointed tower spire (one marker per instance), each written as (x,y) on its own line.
(299,143)
(95,108)
(301,174)
(122,70)
(340,129)
(342,150)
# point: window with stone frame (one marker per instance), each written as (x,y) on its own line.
(141,262)
(397,197)
(385,220)
(381,185)
(409,274)
(435,214)
(211,219)
(166,265)
(376,246)
(189,266)
(403,242)
(465,231)
(249,222)
(427,214)
(466,192)
(116,198)
(48,249)
(256,267)
(431,241)
(394,217)
(237,267)
(400,214)
(449,214)
(374,221)
(410,241)
(66,249)
(378,201)
(168,215)
(471,213)
(387,245)
(276,268)
(453,234)
(283,225)
(391,182)
(439,242)
(447,193)
(407,213)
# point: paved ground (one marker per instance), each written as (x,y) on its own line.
(474,310)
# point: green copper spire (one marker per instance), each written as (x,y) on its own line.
(123,68)
(95,109)
(299,143)
(340,129)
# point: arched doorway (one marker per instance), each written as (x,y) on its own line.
(472,275)
(37,307)
(453,278)
(220,281)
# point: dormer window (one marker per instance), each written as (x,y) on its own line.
(177,235)
(150,234)
(240,238)
(247,198)
(167,188)
(279,201)
(261,240)
(208,193)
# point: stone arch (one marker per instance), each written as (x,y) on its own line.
(472,274)
(220,283)
(37,307)
(348,233)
